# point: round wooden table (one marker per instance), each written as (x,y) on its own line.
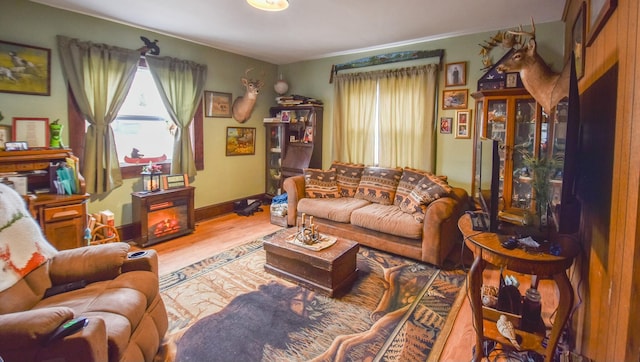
(487,248)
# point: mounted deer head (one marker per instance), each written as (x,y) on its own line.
(243,105)
(546,86)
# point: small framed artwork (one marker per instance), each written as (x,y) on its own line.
(577,41)
(511,80)
(599,13)
(33,131)
(241,141)
(174,181)
(455,74)
(446,124)
(285,116)
(217,104)
(5,135)
(463,124)
(27,69)
(455,99)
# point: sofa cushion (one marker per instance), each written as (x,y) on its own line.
(348,177)
(320,183)
(339,209)
(429,189)
(387,219)
(378,184)
(408,181)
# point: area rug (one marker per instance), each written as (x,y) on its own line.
(228,308)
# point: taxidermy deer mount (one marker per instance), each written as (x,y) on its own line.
(243,105)
(546,86)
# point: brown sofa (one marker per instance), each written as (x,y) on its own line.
(378,225)
(127,318)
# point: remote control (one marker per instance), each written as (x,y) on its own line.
(67,328)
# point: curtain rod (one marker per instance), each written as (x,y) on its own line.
(386,59)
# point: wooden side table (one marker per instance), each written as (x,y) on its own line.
(487,248)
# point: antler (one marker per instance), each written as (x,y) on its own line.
(521,33)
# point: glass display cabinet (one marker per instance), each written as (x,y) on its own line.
(514,118)
(275,141)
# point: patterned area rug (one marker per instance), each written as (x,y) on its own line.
(228,308)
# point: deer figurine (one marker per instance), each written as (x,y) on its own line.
(243,105)
(546,86)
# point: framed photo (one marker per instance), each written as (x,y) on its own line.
(5,135)
(285,116)
(241,141)
(463,124)
(32,75)
(446,124)
(577,41)
(599,13)
(217,104)
(455,74)
(16,146)
(511,80)
(34,131)
(174,181)
(455,98)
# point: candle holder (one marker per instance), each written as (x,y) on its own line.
(307,233)
(151,177)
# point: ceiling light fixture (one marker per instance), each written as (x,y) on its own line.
(269,5)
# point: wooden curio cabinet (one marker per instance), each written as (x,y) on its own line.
(293,143)
(515,119)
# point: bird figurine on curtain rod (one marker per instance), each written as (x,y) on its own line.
(150,47)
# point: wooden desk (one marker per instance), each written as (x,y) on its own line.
(487,248)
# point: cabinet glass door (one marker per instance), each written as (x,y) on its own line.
(497,130)
(523,147)
(275,145)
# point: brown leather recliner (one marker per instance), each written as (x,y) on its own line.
(127,318)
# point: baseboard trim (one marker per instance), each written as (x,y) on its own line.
(128,232)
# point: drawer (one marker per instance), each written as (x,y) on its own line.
(52,214)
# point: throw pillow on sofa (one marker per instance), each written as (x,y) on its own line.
(379,184)
(428,189)
(320,183)
(408,181)
(348,177)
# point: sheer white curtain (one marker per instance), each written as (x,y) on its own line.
(386,115)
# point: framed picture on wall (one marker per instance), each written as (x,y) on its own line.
(455,99)
(241,141)
(577,41)
(599,13)
(446,123)
(32,76)
(463,124)
(217,104)
(455,74)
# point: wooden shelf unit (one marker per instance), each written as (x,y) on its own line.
(61,217)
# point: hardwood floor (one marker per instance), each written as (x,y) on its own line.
(224,232)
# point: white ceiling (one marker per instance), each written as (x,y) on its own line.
(312,29)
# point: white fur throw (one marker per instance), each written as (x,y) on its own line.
(22,245)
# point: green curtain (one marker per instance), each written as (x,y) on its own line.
(100,77)
(180,83)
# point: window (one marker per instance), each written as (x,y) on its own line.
(143,128)
(77,130)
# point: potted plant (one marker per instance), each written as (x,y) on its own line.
(541,170)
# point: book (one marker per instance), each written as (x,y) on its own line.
(107,218)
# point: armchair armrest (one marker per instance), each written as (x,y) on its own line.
(28,329)
(90,263)
(294,187)
(23,337)
(146,260)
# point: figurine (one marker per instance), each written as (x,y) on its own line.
(505,327)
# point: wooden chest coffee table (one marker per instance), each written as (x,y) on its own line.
(330,271)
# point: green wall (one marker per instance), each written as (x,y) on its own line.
(453,156)
(228,178)
(224,178)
